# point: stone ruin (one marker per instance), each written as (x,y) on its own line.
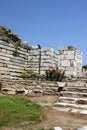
(39,59)
(71,59)
(70,93)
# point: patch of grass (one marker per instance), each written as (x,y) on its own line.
(15,110)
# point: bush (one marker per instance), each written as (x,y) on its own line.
(28,73)
(54,74)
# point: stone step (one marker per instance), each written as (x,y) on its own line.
(76,89)
(73,94)
(77,84)
(70,109)
(73,100)
(65,105)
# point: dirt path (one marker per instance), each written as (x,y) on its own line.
(65,120)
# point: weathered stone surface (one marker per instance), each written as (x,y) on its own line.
(57,128)
(38,91)
(66,57)
(43,84)
(86,85)
(31,93)
(61,84)
(82,128)
(65,63)
(28,87)
(48,92)
(21,91)
(73,97)
(76,84)
(38,87)
(69,57)
(8,91)
(55,89)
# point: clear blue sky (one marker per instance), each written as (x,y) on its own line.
(50,23)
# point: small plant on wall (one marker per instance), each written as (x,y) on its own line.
(54,74)
(17,44)
(28,73)
(15,53)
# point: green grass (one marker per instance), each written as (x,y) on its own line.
(15,110)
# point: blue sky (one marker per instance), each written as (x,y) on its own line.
(50,23)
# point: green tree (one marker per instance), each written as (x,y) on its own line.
(85,67)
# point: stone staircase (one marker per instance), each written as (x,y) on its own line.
(72,97)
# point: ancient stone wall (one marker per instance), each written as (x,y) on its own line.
(29,87)
(48,58)
(37,87)
(11,66)
(38,59)
(70,59)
